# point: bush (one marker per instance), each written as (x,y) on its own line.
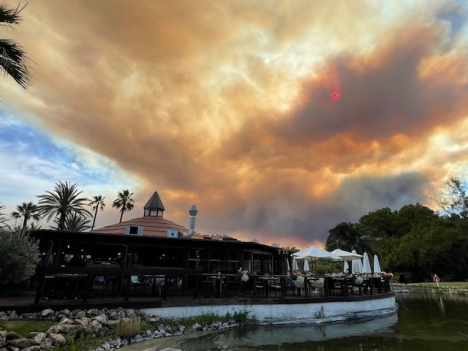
(128,328)
(19,256)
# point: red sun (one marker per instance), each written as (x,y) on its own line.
(335,95)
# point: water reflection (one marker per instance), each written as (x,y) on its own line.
(290,334)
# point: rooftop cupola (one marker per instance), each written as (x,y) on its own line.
(154,207)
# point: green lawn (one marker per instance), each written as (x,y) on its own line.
(457,285)
(24,327)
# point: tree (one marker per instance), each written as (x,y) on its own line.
(3,218)
(63,202)
(19,256)
(26,211)
(124,202)
(350,236)
(454,198)
(74,223)
(13,59)
(97,203)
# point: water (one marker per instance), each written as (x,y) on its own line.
(423,322)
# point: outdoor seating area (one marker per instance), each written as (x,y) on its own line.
(112,287)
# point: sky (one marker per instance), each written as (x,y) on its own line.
(278,119)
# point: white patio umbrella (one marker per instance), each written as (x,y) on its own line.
(377,265)
(294,264)
(315,252)
(366,267)
(346,255)
(306,266)
(357,265)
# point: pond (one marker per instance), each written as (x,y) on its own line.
(423,322)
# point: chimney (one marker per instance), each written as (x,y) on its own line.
(193,212)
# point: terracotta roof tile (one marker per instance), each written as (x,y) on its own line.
(152,227)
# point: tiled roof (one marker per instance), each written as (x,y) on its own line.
(152,227)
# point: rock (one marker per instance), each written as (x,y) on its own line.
(47,344)
(13,315)
(37,337)
(197,327)
(93,312)
(10,335)
(138,338)
(47,313)
(32,348)
(2,337)
(80,314)
(101,319)
(22,343)
(162,328)
(66,320)
(57,339)
(106,346)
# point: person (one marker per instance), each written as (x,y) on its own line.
(436,279)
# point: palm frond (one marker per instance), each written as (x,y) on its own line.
(13,62)
(10,15)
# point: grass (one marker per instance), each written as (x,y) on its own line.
(24,327)
(446,285)
(456,287)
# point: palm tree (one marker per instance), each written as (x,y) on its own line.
(12,56)
(63,202)
(97,203)
(33,227)
(73,223)
(350,236)
(26,211)
(124,202)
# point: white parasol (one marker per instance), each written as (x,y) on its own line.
(357,265)
(306,266)
(315,252)
(366,267)
(294,264)
(377,269)
(345,266)
(346,255)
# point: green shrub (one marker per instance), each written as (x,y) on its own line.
(83,343)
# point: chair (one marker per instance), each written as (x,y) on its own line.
(274,287)
(135,282)
(316,285)
(290,285)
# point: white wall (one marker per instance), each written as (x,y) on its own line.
(286,313)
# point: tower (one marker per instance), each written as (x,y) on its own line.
(193,212)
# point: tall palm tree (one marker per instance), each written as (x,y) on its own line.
(350,236)
(97,203)
(12,56)
(26,211)
(62,202)
(124,202)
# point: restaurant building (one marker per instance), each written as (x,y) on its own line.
(139,250)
